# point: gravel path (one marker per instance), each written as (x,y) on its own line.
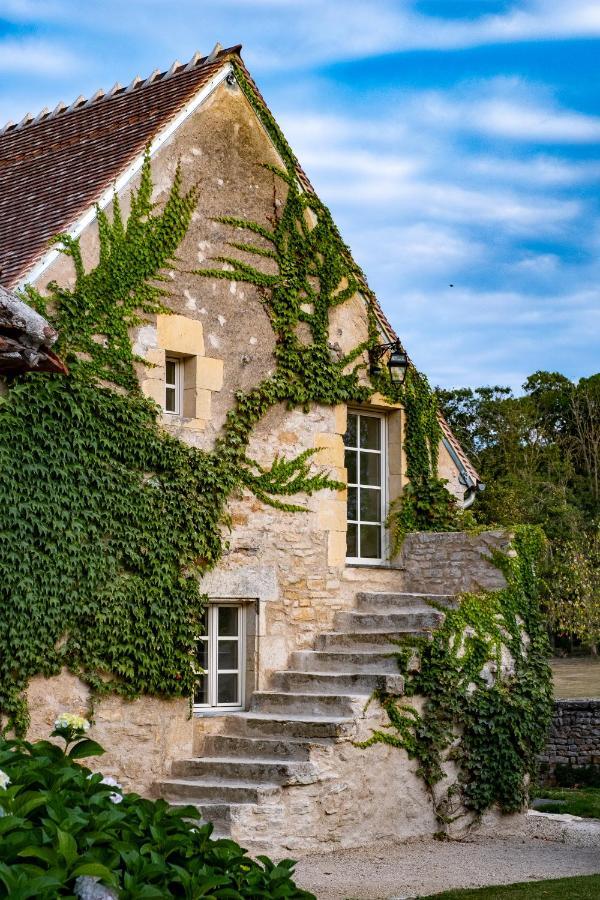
(398,871)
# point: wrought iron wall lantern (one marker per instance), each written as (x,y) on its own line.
(397,361)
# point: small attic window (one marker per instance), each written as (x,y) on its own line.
(174,386)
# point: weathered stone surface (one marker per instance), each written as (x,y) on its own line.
(451,562)
(141,737)
(574,736)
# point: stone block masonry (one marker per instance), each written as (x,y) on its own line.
(452,562)
(574,737)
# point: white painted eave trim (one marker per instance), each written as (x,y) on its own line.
(76,229)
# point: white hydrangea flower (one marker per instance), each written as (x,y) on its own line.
(70,720)
(88,887)
(112,782)
(108,779)
(4,780)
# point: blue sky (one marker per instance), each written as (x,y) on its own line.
(456,142)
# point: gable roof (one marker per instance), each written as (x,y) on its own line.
(56,166)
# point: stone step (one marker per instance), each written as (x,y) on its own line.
(392,621)
(233,745)
(196,790)
(343,661)
(360,641)
(218,814)
(384,601)
(284,725)
(337,683)
(284,702)
(261,771)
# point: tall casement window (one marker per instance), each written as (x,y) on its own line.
(174,386)
(365,462)
(220,651)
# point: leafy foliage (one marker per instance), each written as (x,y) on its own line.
(425,504)
(60,824)
(572,587)
(491,723)
(539,454)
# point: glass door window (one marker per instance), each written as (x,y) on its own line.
(365,462)
(220,653)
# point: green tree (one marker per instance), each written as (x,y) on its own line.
(539,454)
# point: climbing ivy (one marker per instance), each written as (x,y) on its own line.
(485,680)
(308,249)
(108,521)
(425,504)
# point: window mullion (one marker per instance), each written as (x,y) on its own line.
(212,655)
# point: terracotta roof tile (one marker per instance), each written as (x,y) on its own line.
(53,167)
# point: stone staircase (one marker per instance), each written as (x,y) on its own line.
(247,761)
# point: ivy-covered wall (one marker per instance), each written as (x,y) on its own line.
(124,516)
(483,693)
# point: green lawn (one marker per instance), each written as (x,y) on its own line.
(583,888)
(579,802)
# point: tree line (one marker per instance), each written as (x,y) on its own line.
(538,453)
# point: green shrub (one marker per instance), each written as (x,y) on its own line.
(65,832)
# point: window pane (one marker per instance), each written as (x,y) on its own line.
(370,468)
(350,436)
(170,399)
(351,464)
(353,504)
(370,505)
(228,620)
(370,432)
(202,654)
(352,541)
(228,654)
(227,691)
(201,692)
(170,370)
(370,541)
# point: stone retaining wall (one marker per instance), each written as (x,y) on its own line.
(574,737)
(452,562)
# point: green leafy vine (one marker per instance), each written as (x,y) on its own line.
(486,688)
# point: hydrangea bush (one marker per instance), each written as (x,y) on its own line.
(68,832)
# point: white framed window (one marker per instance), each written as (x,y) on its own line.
(365,460)
(221,654)
(173,386)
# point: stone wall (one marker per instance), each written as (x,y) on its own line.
(574,737)
(141,737)
(349,795)
(450,563)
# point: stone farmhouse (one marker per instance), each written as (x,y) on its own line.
(302,608)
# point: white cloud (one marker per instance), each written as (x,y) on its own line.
(536,170)
(31,56)
(352,163)
(542,265)
(326,32)
(475,337)
(507,108)
(280,34)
